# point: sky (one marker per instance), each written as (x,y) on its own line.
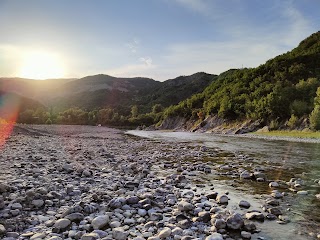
(160,39)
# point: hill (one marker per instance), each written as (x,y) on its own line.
(282,88)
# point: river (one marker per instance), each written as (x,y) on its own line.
(289,159)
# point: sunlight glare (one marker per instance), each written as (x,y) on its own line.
(41,65)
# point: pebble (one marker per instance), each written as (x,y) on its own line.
(164,233)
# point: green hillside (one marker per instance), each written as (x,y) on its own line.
(277,90)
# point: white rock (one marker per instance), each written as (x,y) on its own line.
(222,199)
(164,233)
(245,235)
(214,236)
(100,222)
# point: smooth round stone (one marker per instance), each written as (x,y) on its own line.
(302,192)
(245,235)
(37,203)
(164,233)
(115,224)
(214,236)
(244,204)
(90,236)
(219,223)
(235,221)
(185,206)
(142,212)
(16,206)
(177,231)
(62,224)
(318,196)
(2,229)
(119,233)
(38,236)
(273,184)
(100,222)
(245,175)
(222,199)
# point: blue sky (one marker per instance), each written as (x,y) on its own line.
(160,39)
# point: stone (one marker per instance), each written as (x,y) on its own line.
(164,233)
(117,202)
(245,175)
(132,200)
(38,236)
(235,221)
(244,204)
(273,184)
(37,203)
(245,235)
(90,236)
(75,217)
(100,222)
(204,216)
(214,236)
(119,233)
(16,206)
(185,206)
(255,215)
(142,212)
(275,211)
(219,223)
(302,192)
(2,230)
(222,199)
(61,225)
(115,224)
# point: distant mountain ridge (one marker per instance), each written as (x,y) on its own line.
(99,91)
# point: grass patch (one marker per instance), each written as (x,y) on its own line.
(294,134)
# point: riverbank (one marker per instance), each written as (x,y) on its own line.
(82,182)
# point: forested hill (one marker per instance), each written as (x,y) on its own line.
(284,87)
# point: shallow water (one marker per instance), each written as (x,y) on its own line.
(288,159)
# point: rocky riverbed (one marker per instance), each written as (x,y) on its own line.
(82,182)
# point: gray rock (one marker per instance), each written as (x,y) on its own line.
(38,236)
(142,212)
(62,224)
(90,236)
(214,236)
(245,175)
(273,184)
(75,217)
(37,203)
(185,206)
(117,202)
(222,199)
(244,204)
(164,233)
(100,222)
(235,221)
(119,233)
(219,223)
(16,206)
(245,235)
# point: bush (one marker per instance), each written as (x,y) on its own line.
(292,122)
(315,118)
(49,122)
(274,125)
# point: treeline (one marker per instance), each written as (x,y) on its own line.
(104,116)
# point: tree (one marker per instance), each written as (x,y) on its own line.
(315,118)
(157,108)
(134,111)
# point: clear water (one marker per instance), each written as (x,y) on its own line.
(291,159)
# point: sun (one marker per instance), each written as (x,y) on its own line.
(41,65)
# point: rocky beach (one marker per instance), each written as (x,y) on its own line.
(85,182)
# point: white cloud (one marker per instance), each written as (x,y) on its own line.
(146,60)
(133,45)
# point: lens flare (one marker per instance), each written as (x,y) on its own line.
(9,108)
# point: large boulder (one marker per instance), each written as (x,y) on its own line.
(235,221)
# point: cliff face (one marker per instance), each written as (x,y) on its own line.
(211,124)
